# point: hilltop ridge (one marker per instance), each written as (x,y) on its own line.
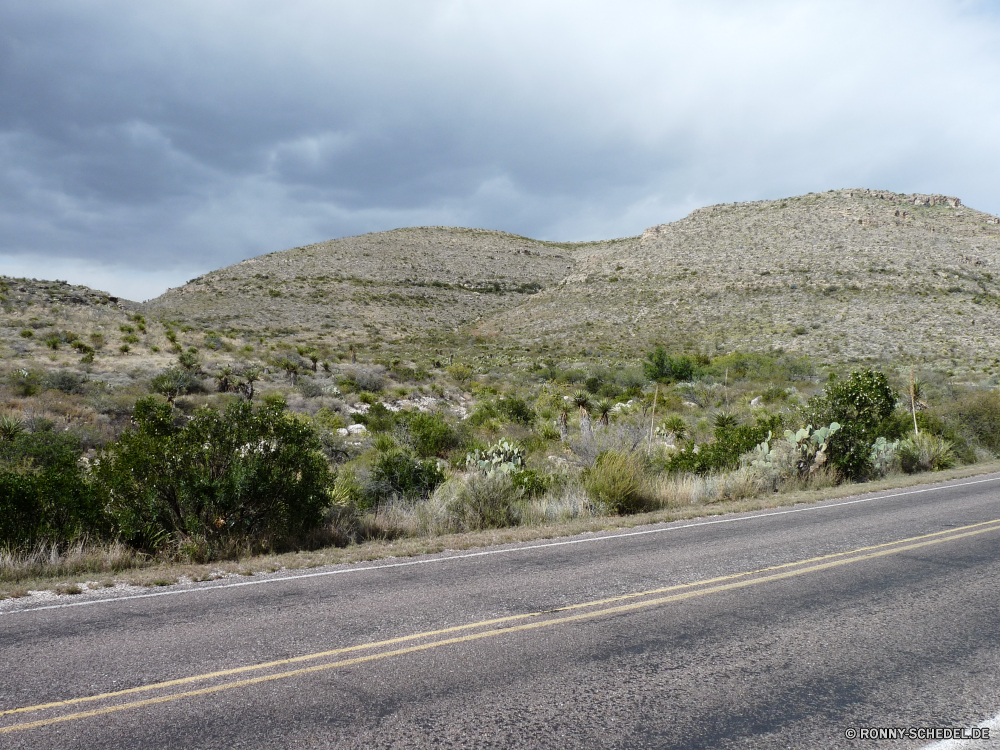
(846,275)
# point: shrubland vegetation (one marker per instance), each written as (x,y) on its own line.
(431,380)
(202,460)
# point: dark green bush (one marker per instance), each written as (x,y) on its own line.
(25,382)
(664,368)
(252,476)
(863,404)
(531,483)
(378,418)
(398,475)
(516,410)
(731,441)
(44,494)
(66,381)
(430,434)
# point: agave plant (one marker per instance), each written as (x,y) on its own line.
(10,428)
(603,409)
(582,400)
(674,424)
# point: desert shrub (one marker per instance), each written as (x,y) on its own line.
(430,434)
(461,374)
(516,410)
(617,480)
(944,423)
(329,418)
(485,502)
(25,382)
(760,367)
(44,495)
(572,376)
(363,379)
(731,442)
(245,475)
(395,474)
(484,412)
(664,368)
(378,418)
(531,483)
(630,382)
(774,394)
(309,388)
(925,452)
(979,413)
(66,381)
(863,404)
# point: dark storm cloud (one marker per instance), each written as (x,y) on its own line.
(143,143)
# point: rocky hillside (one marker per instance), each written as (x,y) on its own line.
(842,275)
(395,286)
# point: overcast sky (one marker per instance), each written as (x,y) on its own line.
(144,143)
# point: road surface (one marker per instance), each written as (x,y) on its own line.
(791,627)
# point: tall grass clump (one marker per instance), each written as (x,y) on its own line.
(484,502)
(617,480)
(925,452)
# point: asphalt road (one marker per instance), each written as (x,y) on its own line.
(787,628)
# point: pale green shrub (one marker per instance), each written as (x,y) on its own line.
(925,452)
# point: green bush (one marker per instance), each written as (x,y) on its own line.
(398,475)
(486,502)
(617,480)
(378,418)
(249,476)
(663,368)
(863,404)
(760,367)
(731,442)
(431,434)
(978,413)
(516,410)
(44,494)
(25,382)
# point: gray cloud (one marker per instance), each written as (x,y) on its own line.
(144,143)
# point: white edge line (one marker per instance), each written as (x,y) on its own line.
(993,725)
(483,553)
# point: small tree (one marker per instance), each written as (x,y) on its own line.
(660,367)
(862,404)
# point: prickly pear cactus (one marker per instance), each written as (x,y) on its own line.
(502,457)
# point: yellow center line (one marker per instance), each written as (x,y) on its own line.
(469,626)
(824,562)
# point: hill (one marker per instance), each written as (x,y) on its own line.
(401,286)
(843,275)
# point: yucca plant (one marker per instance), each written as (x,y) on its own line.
(925,452)
(603,409)
(10,428)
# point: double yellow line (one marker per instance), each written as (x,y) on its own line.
(483,629)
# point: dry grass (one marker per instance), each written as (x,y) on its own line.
(48,560)
(563,515)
